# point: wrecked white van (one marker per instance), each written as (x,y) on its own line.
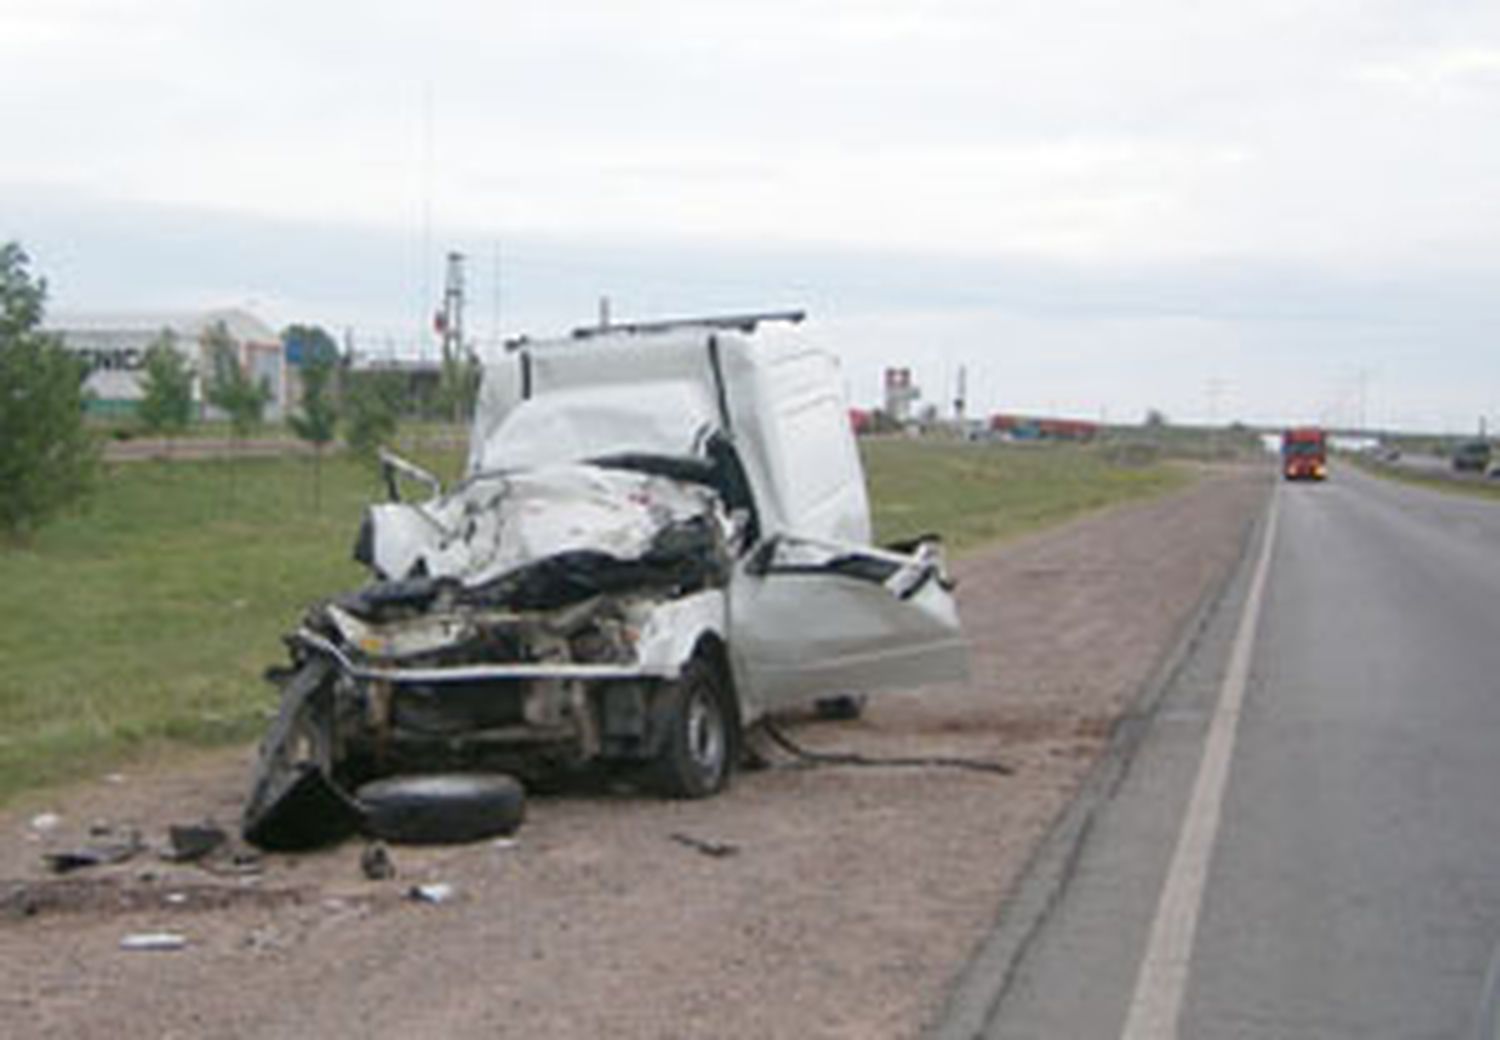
(663,536)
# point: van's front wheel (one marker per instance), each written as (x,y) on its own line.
(697,752)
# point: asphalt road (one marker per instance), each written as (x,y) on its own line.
(1350,875)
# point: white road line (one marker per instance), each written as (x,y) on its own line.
(1162,981)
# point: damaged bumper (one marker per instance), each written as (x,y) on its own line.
(479,672)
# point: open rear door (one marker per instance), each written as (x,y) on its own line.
(811,618)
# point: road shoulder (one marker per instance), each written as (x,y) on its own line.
(853,898)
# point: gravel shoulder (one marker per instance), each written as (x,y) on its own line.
(851,899)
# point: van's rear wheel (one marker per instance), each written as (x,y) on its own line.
(698,746)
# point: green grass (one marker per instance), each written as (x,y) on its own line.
(146,622)
(151,616)
(972,494)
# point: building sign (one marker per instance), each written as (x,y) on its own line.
(900,392)
(112,359)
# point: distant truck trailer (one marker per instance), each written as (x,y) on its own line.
(1022,427)
(1304,453)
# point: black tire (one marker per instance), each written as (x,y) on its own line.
(842,708)
(442,808)
(699,739)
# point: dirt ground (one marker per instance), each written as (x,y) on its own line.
(849,900)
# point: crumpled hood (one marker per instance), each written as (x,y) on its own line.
(493,525)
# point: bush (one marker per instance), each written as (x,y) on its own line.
(370,408)
(48,460)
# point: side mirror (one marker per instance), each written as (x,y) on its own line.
(393,467)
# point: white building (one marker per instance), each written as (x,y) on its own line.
(114,347)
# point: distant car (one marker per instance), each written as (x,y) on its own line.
(1472,457)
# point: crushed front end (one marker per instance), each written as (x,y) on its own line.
(521,624)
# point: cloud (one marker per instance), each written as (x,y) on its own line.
(1260,173)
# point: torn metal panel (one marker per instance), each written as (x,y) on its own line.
(666,417)
(294,801)
(493,525)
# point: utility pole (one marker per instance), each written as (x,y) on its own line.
(449,323)
(1213,388)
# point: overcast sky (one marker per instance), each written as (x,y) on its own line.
(1273,211)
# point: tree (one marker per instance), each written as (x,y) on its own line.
(230,387)
(47,458)
(167,406)
(370,410)
(318,416)
(231,390)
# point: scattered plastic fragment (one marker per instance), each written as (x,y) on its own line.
(504,843)
(189,843)
(716,849)
(46,821)
(439,892)
(376,863)
(153,941)
(66,861)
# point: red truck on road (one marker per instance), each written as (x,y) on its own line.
(1304,454)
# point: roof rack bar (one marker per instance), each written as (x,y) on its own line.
(738,322)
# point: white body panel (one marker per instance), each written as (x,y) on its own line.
(809,608)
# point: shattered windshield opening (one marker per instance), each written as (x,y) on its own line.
(721,471)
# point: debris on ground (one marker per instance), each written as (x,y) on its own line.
(437,892)
(188,843)
(65,861)
(44,822)
(808,757)
(716,849)
(248,865)
(96,896)
(153,941)
(375,862)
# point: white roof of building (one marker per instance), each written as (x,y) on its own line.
(242,325)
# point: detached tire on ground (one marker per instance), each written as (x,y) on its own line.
(699,743)
(443,808)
